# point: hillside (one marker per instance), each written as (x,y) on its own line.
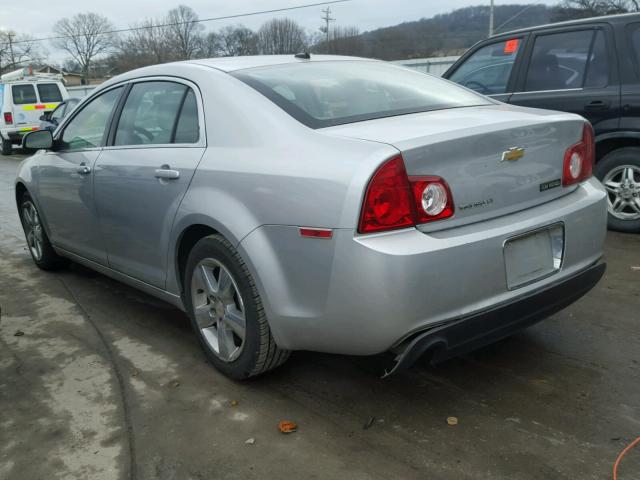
(447,34)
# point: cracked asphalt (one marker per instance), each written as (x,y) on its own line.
(99,381)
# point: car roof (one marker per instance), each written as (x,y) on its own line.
(621,18)
(230,64)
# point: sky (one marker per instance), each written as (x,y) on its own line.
(364,14)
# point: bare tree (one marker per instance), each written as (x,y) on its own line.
(17,50)
(343,41)
(210,46)
(185,31)
(233,41)
(154,40)
(281,36)
(149,43)
(84,36)
(570,9)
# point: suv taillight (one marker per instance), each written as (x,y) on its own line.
(578,159)
(8,118)
(394,200)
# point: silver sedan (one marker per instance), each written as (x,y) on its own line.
(328,203)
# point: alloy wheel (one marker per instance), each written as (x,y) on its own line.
(218,309)
(623,191)
(33,229)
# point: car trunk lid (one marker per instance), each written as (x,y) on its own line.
(496,159)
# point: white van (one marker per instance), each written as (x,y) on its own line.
(25,97)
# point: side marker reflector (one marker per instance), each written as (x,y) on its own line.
(316,232)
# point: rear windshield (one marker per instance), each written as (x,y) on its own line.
(323,94)
(23,94)
(49,92)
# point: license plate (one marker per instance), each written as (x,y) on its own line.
(533,256)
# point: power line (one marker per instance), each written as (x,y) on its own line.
(515,16)
(202,20)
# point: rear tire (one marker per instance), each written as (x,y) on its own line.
(7,147)
(619,171)
(226,311)
(42,253)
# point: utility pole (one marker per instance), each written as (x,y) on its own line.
(327,18)
(491,19)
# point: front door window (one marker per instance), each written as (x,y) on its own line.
(488,69)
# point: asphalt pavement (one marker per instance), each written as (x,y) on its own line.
(99,381)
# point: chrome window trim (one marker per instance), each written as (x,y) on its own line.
(550,91)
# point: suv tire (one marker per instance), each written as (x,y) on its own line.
(619,171)
(7,148)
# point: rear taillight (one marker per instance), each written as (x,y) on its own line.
(578,159)
(387,202)
(432,197)
(394,200)
(8,118)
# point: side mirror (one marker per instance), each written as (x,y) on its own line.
(40,139)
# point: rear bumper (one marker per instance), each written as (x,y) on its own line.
(363,295)
(463,335)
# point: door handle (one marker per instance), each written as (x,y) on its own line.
(167,174)
(597,105)
(83,169)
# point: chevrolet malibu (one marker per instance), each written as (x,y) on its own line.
(328,203)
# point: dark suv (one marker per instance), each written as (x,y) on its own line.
(590,67)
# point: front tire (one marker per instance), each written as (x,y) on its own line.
(619,172)
(7,148)
(226,311)
(40,248)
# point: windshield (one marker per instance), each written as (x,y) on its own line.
(323,94)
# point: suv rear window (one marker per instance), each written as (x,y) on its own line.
(323,94)
(49,92)
(23,94)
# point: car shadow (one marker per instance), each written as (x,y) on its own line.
(504,357)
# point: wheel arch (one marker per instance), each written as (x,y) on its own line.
(613,141)
(185,243)
(20,190)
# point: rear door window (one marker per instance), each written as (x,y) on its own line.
(49,92)
(23,94)
(150,114)
(488,69)
(559,61)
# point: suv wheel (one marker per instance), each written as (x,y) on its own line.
(7,148)
(39,246)
(619,172)
(226,311)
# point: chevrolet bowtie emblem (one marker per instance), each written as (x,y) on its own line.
(513,154)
